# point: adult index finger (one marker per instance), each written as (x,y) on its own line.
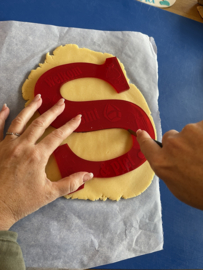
(148,146)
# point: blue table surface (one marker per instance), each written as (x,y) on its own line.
(180,57)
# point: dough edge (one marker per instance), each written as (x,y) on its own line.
(95,189)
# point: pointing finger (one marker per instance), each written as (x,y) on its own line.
(148,146)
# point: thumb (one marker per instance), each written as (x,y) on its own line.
(3,116)
(71,183)
(147,145)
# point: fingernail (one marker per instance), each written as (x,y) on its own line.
(4,107)
(138,131)
(61,101)
(87,177)
(37,97)
(78,117)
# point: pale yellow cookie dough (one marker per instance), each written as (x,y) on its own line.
(97,145)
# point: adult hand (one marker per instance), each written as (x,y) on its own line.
(24,186)
(179,163)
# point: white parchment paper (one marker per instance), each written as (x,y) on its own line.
(77,233)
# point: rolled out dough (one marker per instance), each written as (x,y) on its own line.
(97,145)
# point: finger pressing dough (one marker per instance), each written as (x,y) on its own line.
(96,145)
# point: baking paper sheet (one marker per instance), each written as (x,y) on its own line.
(77,233)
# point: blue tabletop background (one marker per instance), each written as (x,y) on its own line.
(180,57)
